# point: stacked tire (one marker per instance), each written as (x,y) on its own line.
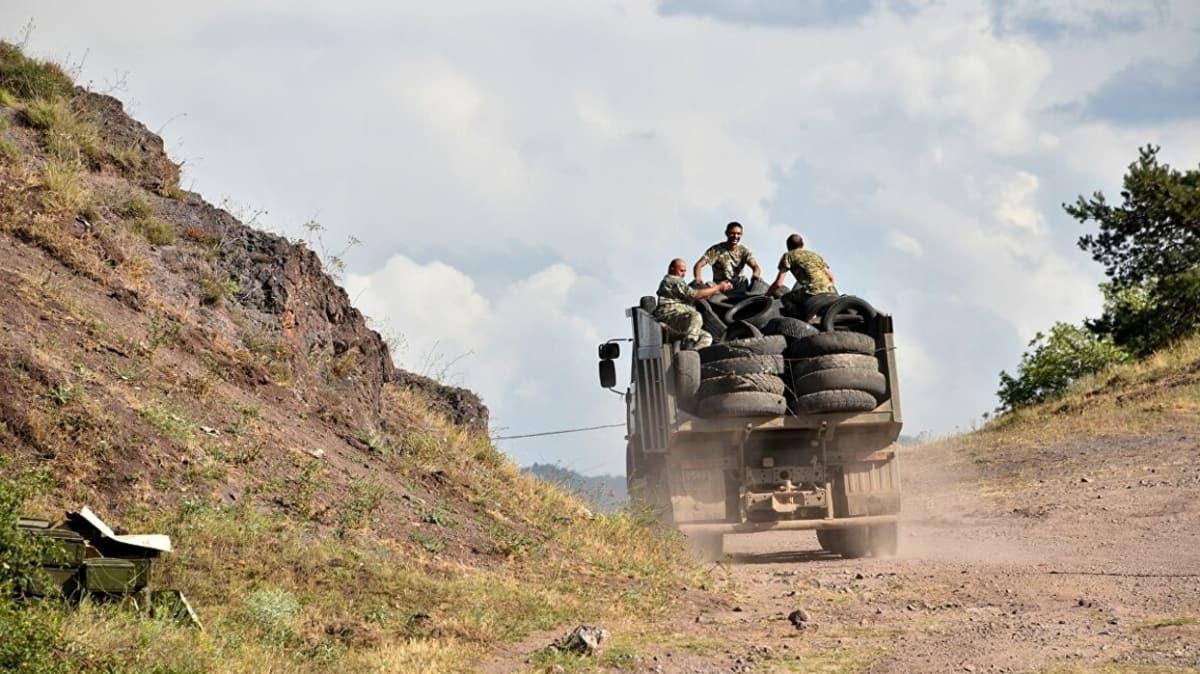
(739,315)
(835,372)
(742,377)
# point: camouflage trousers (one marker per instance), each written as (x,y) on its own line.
(683,321)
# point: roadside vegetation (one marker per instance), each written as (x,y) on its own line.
(1150,248)
(312,533)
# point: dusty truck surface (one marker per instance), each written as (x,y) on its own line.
(816,456)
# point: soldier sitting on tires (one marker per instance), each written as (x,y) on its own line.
(728,259)
(813,277)
(676,306)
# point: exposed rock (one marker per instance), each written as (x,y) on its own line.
(583,640)
(461,406)
(799,619)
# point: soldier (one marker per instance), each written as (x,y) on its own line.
(813,275)
(676,305)
(728,259)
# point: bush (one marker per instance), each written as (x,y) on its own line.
(1057,360)
(214,290)
(134,206)
(1145,317)
(28,78)
(157,231)
(30,633)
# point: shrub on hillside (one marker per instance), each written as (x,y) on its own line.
(29,78)
(31,633)
(1056,360)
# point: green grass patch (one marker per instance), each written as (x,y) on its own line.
(9,151)
(64,188)
(28,78)
(214,290)
(169,422)
(134,206)
(157,231)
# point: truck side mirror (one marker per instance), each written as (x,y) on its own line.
(608,374)
(610,351)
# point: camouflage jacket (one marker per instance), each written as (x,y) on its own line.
(727,264)
(810,271)
(674,292)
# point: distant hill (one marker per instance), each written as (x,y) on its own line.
(605,492)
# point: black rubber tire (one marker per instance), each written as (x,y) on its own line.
(720,302)
(740,348)
(712,322)
(742,330)
(648,303)
(835,401)
(846,304)
(832,342)
(792,328)
(744,365)
(756,310)
(737,383)
(758,287)
(816,304)
(687,378)
(870,381)
(851,543)
(833,361)
(825,540)
(744,404)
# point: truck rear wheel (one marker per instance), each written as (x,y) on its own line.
(851,543)
(825,540)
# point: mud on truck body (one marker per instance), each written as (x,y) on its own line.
(832,472)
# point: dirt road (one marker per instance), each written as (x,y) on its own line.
(1068,557)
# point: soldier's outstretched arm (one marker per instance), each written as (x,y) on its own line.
(778,282)
(705,293)
(698,268)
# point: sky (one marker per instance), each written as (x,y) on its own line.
(520,173)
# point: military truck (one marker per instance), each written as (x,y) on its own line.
(832,472)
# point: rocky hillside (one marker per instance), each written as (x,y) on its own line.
(181,372)
(151,318)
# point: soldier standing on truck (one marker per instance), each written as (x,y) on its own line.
(813,275)
(728,259)
(676,310)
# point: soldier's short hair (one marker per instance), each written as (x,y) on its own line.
(733,224)
(795,241)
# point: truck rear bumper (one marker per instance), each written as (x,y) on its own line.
(788,525)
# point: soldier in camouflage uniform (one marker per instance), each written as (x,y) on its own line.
(813,275)
(728,259)
(676,305)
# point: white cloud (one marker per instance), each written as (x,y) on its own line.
(905,243)
(1015,203)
